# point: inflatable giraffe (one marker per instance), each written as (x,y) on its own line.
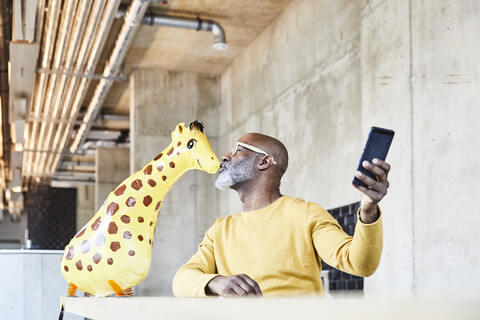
(113,251)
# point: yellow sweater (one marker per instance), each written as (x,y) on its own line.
(280,246)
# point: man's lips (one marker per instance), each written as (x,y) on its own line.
(222,168)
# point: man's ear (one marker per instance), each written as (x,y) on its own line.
(265,162)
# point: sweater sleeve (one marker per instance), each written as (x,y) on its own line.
(358,255)
(191,279)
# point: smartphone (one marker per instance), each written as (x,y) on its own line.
(378,143)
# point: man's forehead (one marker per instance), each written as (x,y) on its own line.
(251,138)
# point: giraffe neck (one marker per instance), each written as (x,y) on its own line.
(165,169)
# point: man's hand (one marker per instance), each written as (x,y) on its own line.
(236,285)
(376,190)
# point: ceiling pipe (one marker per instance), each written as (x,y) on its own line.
(5,36)
(133,17)
(41,82)
(100,21)
(157,19)
(82,55)
(63,92)
(56,83)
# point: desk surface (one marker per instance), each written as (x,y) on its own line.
(270,308)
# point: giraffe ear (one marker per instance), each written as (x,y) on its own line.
(178,130)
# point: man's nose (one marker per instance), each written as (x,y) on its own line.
(227,157)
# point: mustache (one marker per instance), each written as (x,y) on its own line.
(223,166)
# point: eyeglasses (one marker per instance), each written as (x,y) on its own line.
(252,148)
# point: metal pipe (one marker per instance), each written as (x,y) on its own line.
(5,36)
(55,87)
(133,17)
(79,75)
(89,53)
(157,19)
(47,50)
(73,42)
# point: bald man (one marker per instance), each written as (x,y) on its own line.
(275,246)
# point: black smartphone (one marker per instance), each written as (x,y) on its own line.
(378,143)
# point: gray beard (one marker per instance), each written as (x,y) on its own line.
(232,175)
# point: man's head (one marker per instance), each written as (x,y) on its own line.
(255,156)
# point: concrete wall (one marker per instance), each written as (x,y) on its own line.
(159,101)
(324,72)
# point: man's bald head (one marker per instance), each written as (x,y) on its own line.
(271,146)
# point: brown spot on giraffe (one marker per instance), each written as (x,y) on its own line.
(164,178)
(179,143)
(97,257)
(157,207)
(89,268)
(140,238)
(159,167)
(66,268)
(96,224)
(150,241)
(148,170)
(131,253)
(137,184)
(100,240)
(70,253)
(152,183)
(79,265)
(170,151)
(140,219)
(112,228)
(110,261)
(115,245)
(81,232)
(158,157)
(112,208)
(151,222)
(130,202)
(125,219)
(178,153)
(172,165)
(147,201)
(127,235)
(120,190)
(85,247)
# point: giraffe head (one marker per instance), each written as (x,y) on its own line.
(193,146)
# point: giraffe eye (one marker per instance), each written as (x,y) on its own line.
(191,143)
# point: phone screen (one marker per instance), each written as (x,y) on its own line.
(378,143)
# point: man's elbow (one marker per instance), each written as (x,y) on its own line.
(367,268)
(177,288)
(367,272)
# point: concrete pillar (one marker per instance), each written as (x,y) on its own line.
(159,101)
(112,166)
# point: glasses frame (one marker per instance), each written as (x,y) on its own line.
(251,148)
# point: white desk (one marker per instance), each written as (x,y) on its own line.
(270,308)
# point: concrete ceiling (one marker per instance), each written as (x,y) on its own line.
(49,119)
(190,51)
